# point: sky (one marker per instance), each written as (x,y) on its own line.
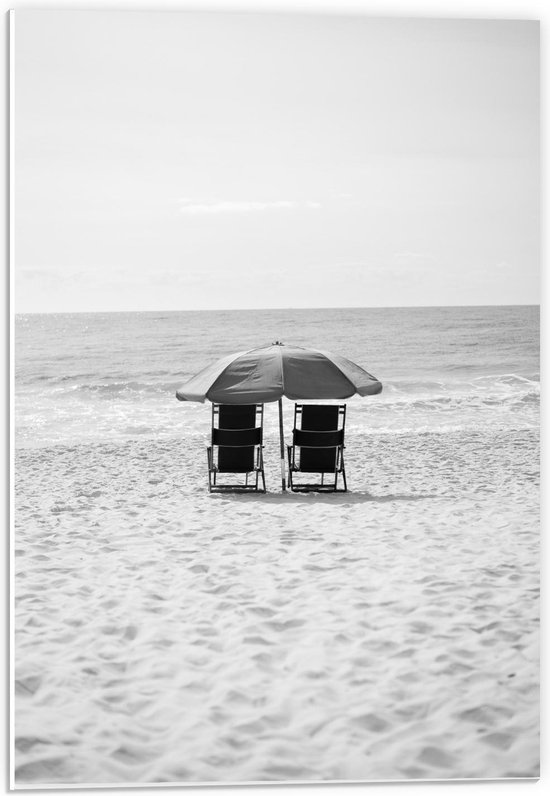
(174,161)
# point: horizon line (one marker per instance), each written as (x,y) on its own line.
(274,309)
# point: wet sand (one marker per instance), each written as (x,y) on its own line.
(167,635)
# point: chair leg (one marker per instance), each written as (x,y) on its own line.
(209,470)
(260,470)
(343,470)
(289,457)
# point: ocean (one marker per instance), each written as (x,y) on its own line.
(93,377)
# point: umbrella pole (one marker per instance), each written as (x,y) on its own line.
(283,475)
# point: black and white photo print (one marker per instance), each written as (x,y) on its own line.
(276,397)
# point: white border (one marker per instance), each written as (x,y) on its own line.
(453,9)
(11,34)
(473,9)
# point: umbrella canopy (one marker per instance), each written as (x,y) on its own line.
(265,374)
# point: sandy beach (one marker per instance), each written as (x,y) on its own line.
(167,635)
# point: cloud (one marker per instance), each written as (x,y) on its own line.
(414,261)
(411,256)
(190,208)
(39,274)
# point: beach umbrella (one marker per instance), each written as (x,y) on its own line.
(268,373)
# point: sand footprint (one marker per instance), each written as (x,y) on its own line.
(27,686)
(433,756)
(499,740)
(371,722)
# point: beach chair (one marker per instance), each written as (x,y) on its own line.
(237,437)
(317,447)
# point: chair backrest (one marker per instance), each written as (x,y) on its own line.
(236,435)
(320,434)
(319,417)
(235,415)
(318,439)
(236,438)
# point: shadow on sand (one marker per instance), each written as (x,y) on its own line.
(338,498)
